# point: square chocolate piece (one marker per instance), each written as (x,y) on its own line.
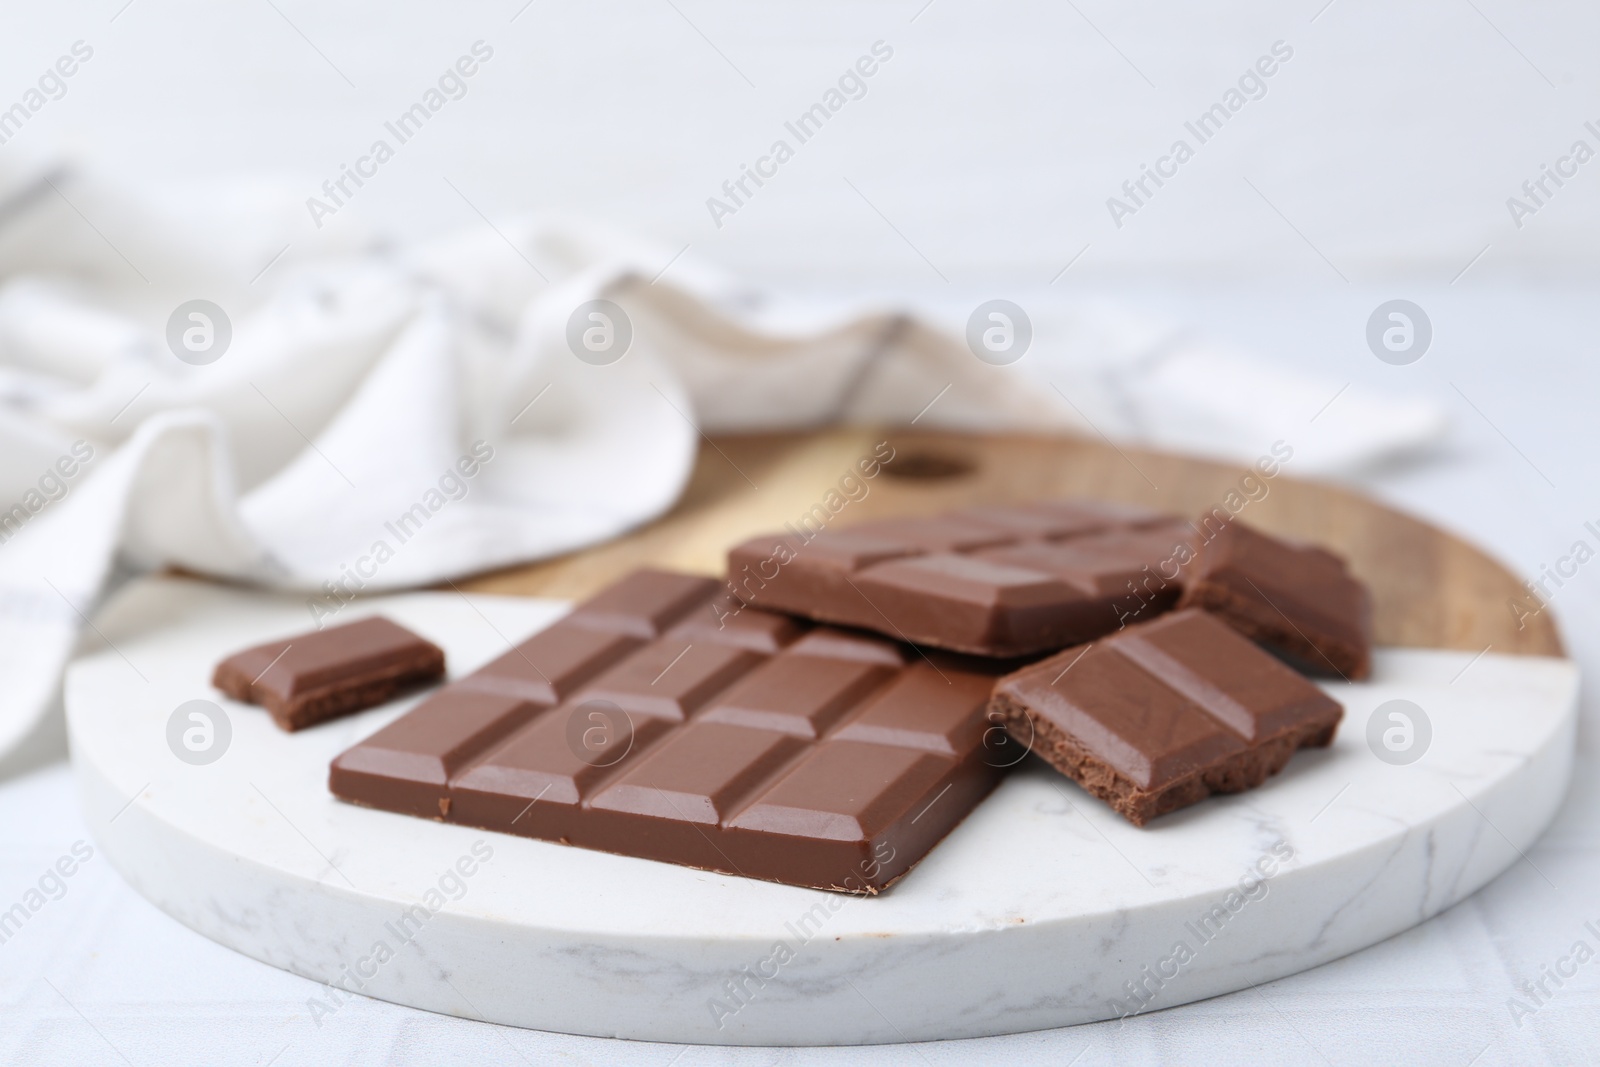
(1165,713)
(1298,600)
(321,675)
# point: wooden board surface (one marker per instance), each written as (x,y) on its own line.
(1430,589)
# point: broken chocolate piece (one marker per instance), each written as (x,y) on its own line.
(1298,600)
(1165,713)
(323,674)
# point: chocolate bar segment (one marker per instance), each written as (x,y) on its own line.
(739,742)
(645,605)
(411,761)
(1298,600)
(1000,581)
(321,675)
(550,665)
(1165,713)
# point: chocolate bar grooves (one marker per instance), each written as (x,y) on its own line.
(998,581)
(740,802)
(671,717)
(643,752)
(748,742)
(1165,713)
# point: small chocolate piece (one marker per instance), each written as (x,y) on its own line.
(1298,600)
(650,722)
(1165,713)
(998,581)
(321,675)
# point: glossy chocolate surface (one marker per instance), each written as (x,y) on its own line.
(998,581)
(1299,600)
(323,674)
(653,722)
(1163,713)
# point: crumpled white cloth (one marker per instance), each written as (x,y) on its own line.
(390,417)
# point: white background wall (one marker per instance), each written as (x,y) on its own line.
(990,141)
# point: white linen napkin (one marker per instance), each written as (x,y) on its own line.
(383,418)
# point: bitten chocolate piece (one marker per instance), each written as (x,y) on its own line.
(650,722)
(1165,713)
(1296,599)
(994,581)
(321,675)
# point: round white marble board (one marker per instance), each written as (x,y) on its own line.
(1043,908)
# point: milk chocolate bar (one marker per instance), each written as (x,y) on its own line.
(1165,713)
(1298,600)
(996,581)
(321,675)
(650,723)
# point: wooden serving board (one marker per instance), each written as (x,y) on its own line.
(1430,589)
